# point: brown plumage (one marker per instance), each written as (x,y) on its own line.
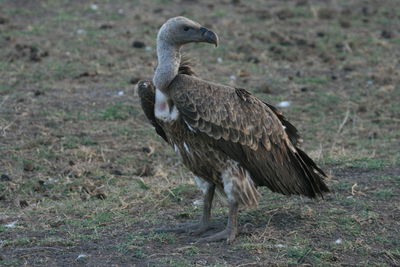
(230,140)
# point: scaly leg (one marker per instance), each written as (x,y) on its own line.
(231,230)
(204,224)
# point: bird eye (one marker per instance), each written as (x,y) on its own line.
(186,28)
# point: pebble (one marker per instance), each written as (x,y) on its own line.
(138,44)
(284,104)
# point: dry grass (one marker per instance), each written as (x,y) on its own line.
(81,172)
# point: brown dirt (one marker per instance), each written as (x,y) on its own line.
(82,172)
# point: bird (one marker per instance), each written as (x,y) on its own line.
(229,139)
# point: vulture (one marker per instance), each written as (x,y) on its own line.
(230,140)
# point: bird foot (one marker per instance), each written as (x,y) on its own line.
(228,234)
(192,229)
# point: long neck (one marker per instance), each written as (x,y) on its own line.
(169,58)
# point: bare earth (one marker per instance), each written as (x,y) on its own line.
(84,179)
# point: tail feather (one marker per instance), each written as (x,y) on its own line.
(310,174)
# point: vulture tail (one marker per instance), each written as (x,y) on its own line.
(311,175)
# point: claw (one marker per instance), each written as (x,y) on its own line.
(228,234)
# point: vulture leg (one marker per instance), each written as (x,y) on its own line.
(230,232)
(204,224)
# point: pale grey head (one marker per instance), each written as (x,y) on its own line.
(174,33)
(180,30)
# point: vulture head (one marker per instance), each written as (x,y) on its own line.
(178,31)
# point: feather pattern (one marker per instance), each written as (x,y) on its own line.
(229,123)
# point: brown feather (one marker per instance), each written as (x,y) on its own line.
(273,159)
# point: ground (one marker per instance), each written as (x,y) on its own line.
(84,179)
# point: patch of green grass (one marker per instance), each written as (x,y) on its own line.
(368,163)
(11,262)
(174,262)
(349,225)
(118,112)
(19,242)
(56,241)
(191,250)
(2,189)
(71,142)
(5,88)
(99,220)
(385,193)
(142,184)
(297,253)
(308,80)
(177,193)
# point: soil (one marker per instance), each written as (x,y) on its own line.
(85,180)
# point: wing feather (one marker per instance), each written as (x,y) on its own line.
(251,132)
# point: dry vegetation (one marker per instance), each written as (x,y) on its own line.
(83,177)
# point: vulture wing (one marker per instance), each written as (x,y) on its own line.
(146,91)
(249,131)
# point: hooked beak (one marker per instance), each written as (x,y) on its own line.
(209,36)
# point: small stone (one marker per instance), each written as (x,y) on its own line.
(253,59)
(285,14)
(28,166)
(362,109)
(3,20)
(386,34)
(105,26)
(81,257)
(5,177)
(80,31)
(326,13)
(284,104)
(138,44)
(116,172)
(345,24)
(243,73)
(11,224)
(23,203)
(146,149)
(145,171)
(38,93)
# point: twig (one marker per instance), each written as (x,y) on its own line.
(353,189)
(6,127)
(346,117)
(4,100)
